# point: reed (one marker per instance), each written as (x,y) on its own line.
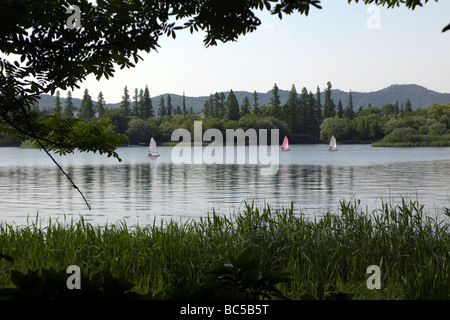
(324,255)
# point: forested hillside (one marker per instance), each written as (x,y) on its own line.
(419,96)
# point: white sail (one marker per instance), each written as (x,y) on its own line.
(333,142)
(153,149)
(333,145)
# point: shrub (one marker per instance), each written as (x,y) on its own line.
(407,134)
(437,128)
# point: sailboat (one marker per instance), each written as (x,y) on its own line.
(285,145)
(153,149)
(333,145)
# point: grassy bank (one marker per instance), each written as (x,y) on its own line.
(418,141)
(321,257)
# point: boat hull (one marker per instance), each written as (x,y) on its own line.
(153,156)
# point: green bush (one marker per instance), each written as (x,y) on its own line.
(406,134)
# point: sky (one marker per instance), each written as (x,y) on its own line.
(354,46)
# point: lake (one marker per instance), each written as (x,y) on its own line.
(139,189)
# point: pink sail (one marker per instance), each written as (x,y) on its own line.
(285,145)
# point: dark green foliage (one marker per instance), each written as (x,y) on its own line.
(69,107)
(86,111)
(349,112)
(58,107)
(340,109)
(48,284)
(245,108)
(329,108)
(169,106)
(66,135)
(240,279)
(100,105)
(125,105)
(6,257)
(147,105)
(411,4)
(275,104)
(407,134)
(162,112)
(232,106)
(140,131)
(291,111)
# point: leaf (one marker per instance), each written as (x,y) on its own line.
(6,257)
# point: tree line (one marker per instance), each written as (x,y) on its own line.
(303,117)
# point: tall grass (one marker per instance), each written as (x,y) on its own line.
(323,254)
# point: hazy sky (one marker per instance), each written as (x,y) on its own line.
(353,46)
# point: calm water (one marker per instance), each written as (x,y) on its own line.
(139,189)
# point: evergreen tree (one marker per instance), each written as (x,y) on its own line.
(396,108)
(178,110)
(340,109)
(350,111)
(303,114)
(69,107)
(318,99)
(125,104)
(292,110)
(207,107)
(57,108)
(86,111)
(315,117)
(191,111)
(147,105)
(184,105)
(141,103)
(214,105)
(169,105)
(136,104)
(162,107)
(275,104)
(219,105)
(329,109)
(100,106)
(245,108)
(232,106)
(222,106)
(408,107)
(255,104)
(318,107)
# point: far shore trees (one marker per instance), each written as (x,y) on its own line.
(301,116)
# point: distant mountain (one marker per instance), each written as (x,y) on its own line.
(419,96)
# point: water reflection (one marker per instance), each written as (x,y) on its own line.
(140,190)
